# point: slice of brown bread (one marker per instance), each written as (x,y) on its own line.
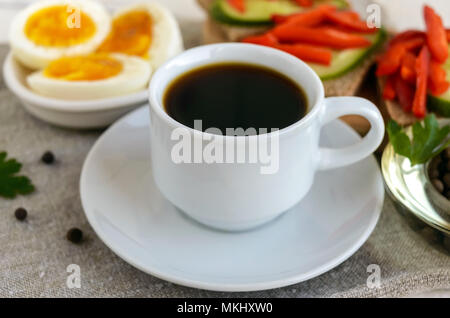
(218,32)
(205,4)
(398,114)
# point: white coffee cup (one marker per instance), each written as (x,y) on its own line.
(237,196)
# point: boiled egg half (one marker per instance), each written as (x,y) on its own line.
(147,30)
(49,29)
(93,76)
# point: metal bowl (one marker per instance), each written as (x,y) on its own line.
(412,188)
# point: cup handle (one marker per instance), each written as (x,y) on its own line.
(338,106)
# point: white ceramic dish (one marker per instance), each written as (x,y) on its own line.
(71,114)
(126,210)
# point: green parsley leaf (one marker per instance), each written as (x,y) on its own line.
(428,140)
(11,184)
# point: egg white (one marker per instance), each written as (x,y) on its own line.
(37,56)
(133,77)
(166,39)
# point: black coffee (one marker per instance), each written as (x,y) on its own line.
(235,96)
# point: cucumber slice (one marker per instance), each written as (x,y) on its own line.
(259,12)
(441,104)
(345,60)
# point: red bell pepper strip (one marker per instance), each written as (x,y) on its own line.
(406,36)
(267,39)
(324,36)
(346,20)
(282,18)
(309,18)
(436,35)
(352,15)
(448,35)
(307,53)
(304,3)
(437,79)
(239,5)
(390,61)
(413,44)
(405,93)
(407,69)
(419,108)
(389,88)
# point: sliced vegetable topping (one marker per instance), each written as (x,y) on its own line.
(325,36)
(344,61)
(404,92)
(260,12)
(239,5)
(308,19)
(436,35)
(419,108)
(389,88)
(304,3)
(407,35)
(267,39)
(408,68)
(349,20)
(418,74)
(437,79)
(332,44)
(308,53)
(390,61)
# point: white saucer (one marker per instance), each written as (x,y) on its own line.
(132,218)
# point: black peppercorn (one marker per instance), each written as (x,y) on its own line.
(446,180)
(437,161)
(447,195)
(447,166)
(48,157)
(446,153)
(439,173)
(438,185)
(434,173)
(20,214)
(74,235)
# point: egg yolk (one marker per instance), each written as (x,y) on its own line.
(84,68)
(59,26)
(130,34)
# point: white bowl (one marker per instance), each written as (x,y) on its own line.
(81,114)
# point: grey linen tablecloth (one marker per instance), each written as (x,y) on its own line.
(34,254)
